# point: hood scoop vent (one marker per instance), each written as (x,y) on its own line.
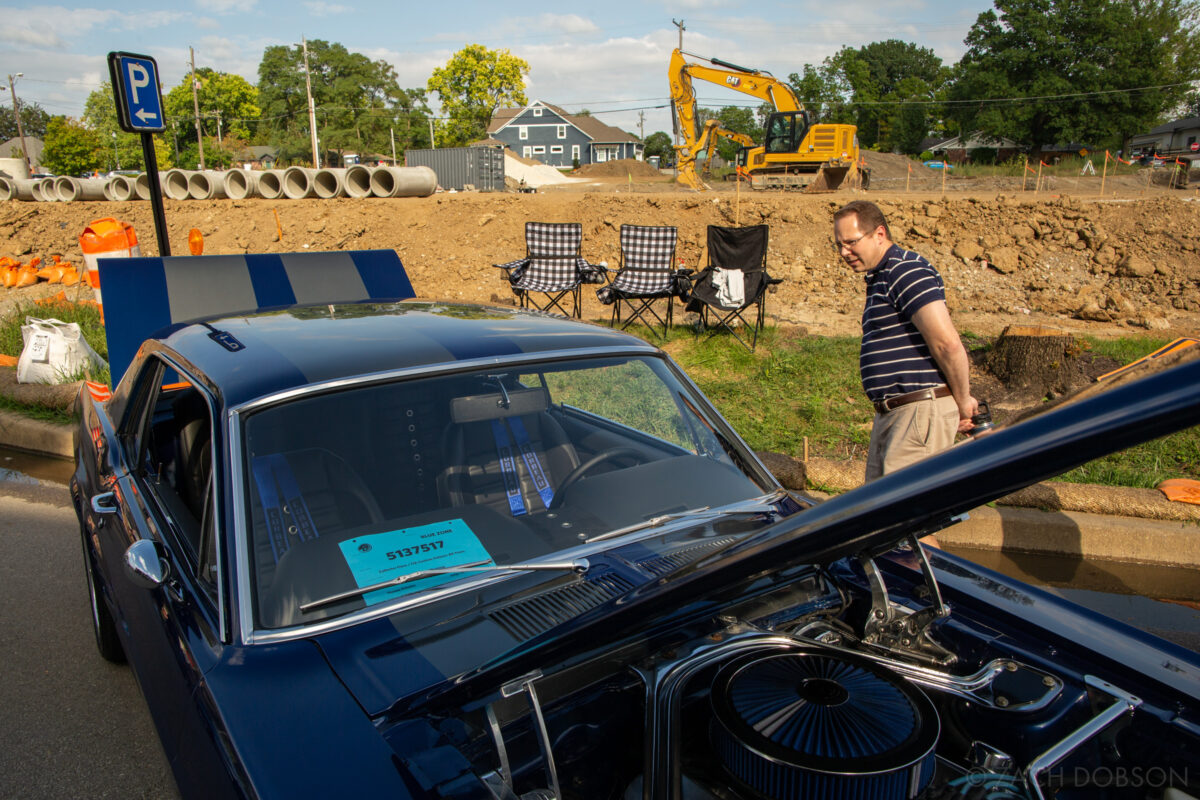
(809,723)
(539,613)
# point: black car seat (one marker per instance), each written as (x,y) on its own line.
(481,425)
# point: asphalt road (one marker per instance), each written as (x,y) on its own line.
(72,725)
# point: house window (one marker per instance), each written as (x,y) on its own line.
(562,131)
(556,148)
(537,112)
(538,149)
(526,151)
(575,151)
(522,132)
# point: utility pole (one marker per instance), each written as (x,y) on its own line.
(642,125)
(220,139)
(679,24)
(432,143)
(12,89)
(312,111)
(196,106)
(393,132)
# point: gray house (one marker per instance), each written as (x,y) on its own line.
(550,135)
(1171,137)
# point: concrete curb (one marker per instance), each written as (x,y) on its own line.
(35,436)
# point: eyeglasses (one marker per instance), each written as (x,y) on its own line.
(849,243)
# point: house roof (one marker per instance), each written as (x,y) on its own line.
(1179,124)
(596,130)
(33,147)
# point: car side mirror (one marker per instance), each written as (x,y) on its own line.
(147,564)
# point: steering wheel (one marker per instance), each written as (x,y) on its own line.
(576,474)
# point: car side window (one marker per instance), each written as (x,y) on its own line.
(169,442)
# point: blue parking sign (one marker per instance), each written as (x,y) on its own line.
(136,91)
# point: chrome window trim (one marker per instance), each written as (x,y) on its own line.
(248,632)
(211,401)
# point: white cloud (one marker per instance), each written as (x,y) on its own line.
(49,26)
(322,9)
(225,6)
(564,23)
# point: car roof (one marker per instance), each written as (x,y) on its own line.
(243,357)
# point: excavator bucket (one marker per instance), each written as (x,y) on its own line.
(830,179)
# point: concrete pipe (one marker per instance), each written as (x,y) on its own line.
(241,183)
(298,182)
(175,183)
(206,185)
(358,180)
(108,194)
(71,189)
(403,182)
(330,183)
(270,184)
(122,189)
(46,192)
(8,189)
(24,188)
(14,168)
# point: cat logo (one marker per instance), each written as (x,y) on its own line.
(733,80)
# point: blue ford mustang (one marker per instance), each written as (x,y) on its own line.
(417,550)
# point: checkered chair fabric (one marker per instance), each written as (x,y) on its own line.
(552,265)
(646,268)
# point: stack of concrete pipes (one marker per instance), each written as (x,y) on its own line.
(294,183)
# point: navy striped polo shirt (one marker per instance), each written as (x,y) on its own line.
(894,358)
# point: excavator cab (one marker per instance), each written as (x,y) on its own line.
(786,130)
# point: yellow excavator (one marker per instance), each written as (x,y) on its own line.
(797,153)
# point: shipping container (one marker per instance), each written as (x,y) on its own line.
(461,168)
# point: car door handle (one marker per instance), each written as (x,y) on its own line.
(105,503)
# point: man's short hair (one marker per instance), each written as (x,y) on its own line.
(868,214)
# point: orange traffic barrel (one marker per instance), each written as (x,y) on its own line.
(106,238)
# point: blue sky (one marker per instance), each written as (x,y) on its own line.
(608,57)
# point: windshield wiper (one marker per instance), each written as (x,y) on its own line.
(578,565)
(754,506)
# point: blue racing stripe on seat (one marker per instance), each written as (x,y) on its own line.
(270,280)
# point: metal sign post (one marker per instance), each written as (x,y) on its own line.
(140,110)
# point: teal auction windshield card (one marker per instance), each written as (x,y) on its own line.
(381,557)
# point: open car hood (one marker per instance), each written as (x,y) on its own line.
(385,670)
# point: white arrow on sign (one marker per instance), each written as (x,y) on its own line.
(144,115)
(138,77)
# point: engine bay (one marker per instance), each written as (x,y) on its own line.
(853,681)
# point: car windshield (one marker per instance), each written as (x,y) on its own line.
(507,465)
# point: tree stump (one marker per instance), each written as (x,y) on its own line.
(1035,362)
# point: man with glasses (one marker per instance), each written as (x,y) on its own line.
(914,367)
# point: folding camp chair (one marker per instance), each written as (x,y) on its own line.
(645,277)
(734,279)
(552,267)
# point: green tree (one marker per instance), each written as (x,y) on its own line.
(359,103)
(471,86)
(117,146)
(1078,69)
(71,148)
(33,119)
(659,144)
(228,104)
(884,88)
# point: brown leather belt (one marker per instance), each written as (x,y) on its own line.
(892,403)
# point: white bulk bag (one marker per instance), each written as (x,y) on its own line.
(54,352)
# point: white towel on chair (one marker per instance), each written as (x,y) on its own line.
(731,287)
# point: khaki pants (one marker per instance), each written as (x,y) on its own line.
(907,434)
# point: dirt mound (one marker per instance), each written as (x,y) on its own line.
(618,169)
(1082,265)
(894,165)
